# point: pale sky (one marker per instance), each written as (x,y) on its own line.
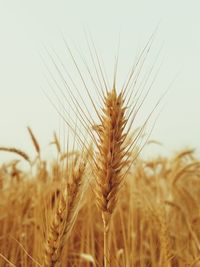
(27,26)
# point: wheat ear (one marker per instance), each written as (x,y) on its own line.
(110,159)
(34,140)
(16,151)
(64,218)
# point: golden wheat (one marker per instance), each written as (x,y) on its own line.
(63,218)
(156,222)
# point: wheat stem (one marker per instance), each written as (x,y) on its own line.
(106,252)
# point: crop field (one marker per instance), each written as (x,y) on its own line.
(49,216)
(98,203)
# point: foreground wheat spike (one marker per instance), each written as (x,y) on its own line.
(64,218)
(111,159)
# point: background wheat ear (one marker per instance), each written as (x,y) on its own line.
(34,140)
(21,153)
(64,216)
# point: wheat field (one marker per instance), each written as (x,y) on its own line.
(101,205)
(49,216)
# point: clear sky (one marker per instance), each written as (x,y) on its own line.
(27,26)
